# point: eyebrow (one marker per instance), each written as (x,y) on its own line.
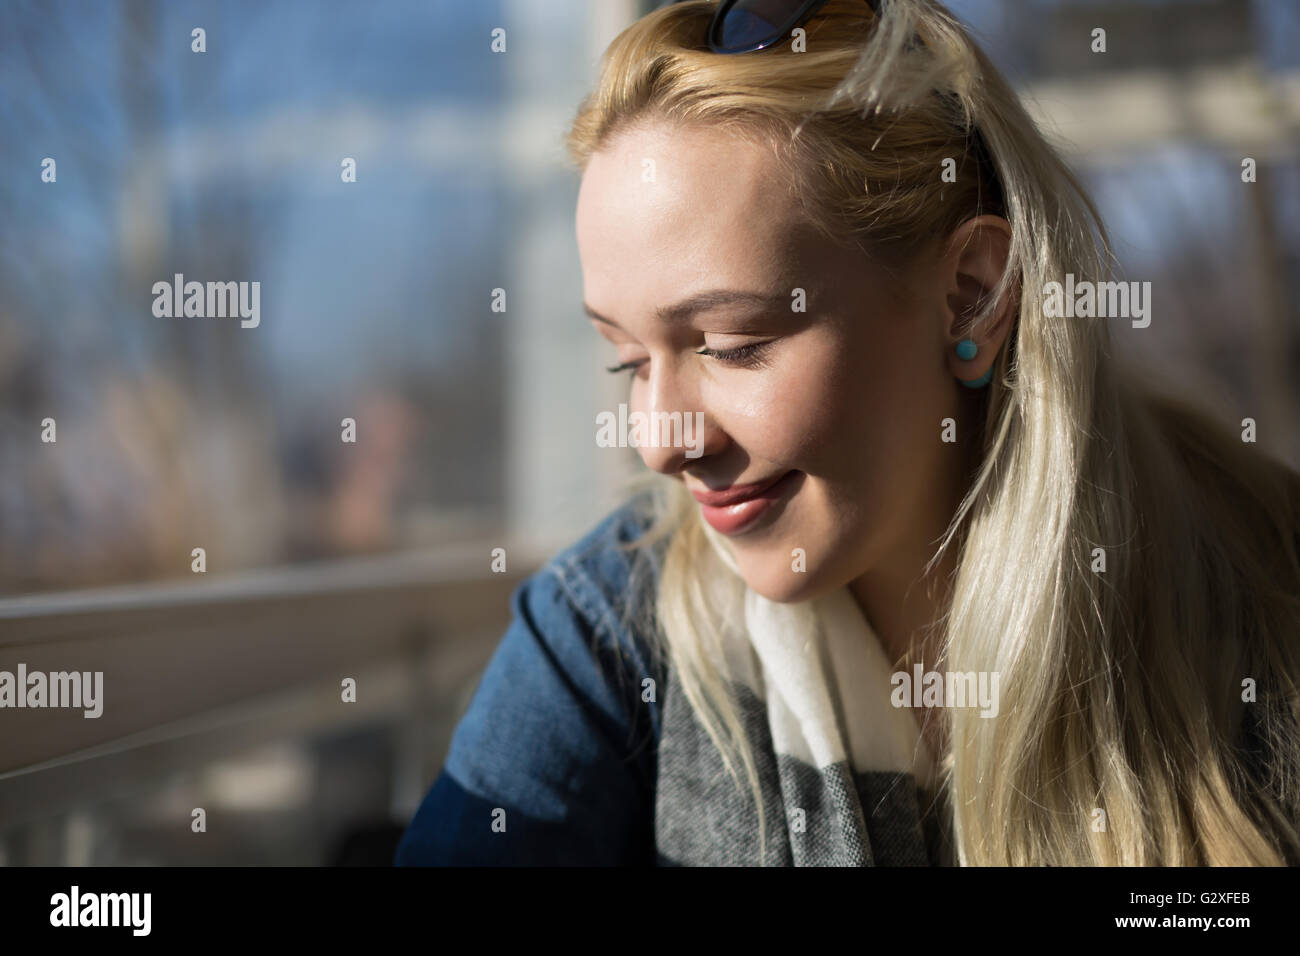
(702,302)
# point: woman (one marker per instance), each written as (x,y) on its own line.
(938,581)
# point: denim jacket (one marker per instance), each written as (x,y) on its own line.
(556,735)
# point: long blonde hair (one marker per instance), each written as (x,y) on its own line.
(1122,690)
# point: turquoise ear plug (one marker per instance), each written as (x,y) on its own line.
(967,350)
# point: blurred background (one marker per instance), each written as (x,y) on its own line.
(373,560)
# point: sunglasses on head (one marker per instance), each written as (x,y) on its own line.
(746,26)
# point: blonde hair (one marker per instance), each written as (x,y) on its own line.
(1121,691)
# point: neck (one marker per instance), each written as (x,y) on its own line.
(902,602)
(901,605)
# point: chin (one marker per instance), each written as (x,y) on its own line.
(775,580)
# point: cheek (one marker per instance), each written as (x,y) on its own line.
(861,416)
(767,413)
(791,411)
(873,406)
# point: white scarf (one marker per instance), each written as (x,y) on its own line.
(826,682)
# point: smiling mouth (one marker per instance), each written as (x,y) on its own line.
(735,509)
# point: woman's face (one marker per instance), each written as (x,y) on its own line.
(691,240)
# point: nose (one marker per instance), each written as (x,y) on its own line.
(677,430)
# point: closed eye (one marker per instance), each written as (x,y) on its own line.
(627,366)
(742,356)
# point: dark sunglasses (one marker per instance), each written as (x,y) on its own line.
(745,26)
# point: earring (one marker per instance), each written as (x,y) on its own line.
(967,350)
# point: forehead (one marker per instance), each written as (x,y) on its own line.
(665,210)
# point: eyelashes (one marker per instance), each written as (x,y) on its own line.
(743,356)
(626,366)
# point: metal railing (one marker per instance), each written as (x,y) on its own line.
(197,671)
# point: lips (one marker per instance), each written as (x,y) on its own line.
(731,510)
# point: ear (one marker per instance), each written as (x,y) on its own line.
(973,259)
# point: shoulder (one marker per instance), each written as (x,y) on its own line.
(592,606)
(570,669)
(558,735)
(608,576)
(588,612)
